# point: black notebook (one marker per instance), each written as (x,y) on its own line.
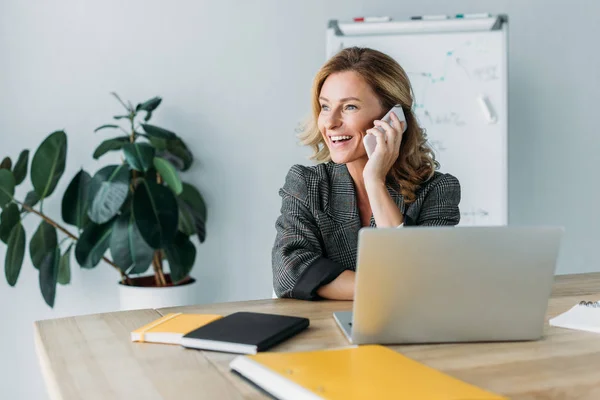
(244,332)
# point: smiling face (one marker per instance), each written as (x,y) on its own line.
(348,108)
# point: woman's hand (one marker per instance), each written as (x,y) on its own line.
(386,152)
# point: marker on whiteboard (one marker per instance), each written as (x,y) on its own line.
(429,17)
(372,19)
(480,15)
(487,108)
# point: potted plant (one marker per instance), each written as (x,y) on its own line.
(138,210)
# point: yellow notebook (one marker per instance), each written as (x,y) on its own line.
(171,328)
(364,372)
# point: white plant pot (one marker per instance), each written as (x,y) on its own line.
(139,297)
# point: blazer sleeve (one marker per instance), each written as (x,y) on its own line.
(440,206)
(299,267)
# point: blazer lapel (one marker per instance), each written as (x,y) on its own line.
(342,205)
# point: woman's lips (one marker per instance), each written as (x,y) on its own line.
(340,144)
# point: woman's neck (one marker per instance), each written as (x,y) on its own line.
(356,168)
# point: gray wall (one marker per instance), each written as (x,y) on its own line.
(235,77)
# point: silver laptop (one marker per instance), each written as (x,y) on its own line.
(451,284)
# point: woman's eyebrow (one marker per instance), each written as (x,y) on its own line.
(341,100)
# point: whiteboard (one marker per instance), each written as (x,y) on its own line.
(458,72)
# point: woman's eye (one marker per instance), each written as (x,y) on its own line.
(350,107)
(324,107)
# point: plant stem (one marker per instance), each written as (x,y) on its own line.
(124,277)
(160,268)
(155,268)
(159,277)
(132,138)
(120,101)
(157,254)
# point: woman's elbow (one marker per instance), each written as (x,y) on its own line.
(282,282)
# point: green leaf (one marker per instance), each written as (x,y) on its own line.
(48,164)
(93,243)
(10,217)
(20,170)
(158,132)
(49,275)
(64,267)
(169,174)
(44,241)
(128,248)
(105,127)
(148,116)
(139,155)
(110,145)
(186,220)
(156,213)
(14,254)
(108,191)
(181,254)
(159,144)
(31,199)
(193,207)
(75,200)
(7,187)
(177,153)
(149,105)
(121,116)
(6,163)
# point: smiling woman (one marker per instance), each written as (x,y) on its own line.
(324,206)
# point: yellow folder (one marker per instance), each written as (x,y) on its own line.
(171,327)
(364,372)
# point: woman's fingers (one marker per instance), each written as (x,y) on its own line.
(399,127)
(390,133)
(380,137)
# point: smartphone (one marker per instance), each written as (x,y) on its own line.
(370,141)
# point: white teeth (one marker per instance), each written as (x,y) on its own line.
(336,138)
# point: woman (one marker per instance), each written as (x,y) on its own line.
(324,206)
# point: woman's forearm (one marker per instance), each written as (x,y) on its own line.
(341,288)
(384,208)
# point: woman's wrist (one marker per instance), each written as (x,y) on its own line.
(384,208)
(374,184)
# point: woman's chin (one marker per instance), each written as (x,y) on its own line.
(343,158)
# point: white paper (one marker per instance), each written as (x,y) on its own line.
(580,317)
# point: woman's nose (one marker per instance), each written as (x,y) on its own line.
(333,121)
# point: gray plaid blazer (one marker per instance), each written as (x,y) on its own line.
(317,231)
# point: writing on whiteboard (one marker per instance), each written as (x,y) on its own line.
(479,212)
(473,216)
(486,73)
(448,118)
(437,145)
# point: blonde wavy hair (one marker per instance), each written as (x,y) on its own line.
(416,162)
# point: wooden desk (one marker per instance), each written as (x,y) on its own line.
(92,357)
